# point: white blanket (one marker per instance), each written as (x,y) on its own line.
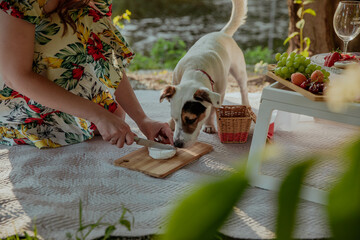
(47,185)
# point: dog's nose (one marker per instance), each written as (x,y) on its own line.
(179,144)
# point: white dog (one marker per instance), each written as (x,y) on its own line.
(200,79)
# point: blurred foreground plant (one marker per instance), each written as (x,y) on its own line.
(201,215)
(344,88)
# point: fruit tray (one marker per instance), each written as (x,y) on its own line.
(305,93)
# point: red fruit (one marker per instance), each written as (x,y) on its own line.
(327,58)
(303,85)
(320,86)
(334,57)
(314,88)
(345,57)
(317,76)
(306,84)
(298,78)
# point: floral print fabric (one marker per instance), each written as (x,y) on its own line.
(88,63)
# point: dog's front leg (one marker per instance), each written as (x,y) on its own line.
(209,126)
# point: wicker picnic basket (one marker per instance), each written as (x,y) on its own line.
(233,122)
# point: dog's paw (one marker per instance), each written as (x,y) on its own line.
(210,129)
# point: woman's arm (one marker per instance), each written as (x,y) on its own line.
(125,96)
(16,58)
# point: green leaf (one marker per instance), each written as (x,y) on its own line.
(300,24)
(307,42)
(102,68)
(305,53)
(344,198)
(6,92)
(67,83)
(310,11)
(109,230)
(106,47)
(80,213)
(67,74)
(74,53)
(297,1)
(72,138)
(125,223)
(68,235)
(288,199)
(290,37)
(67,118)
(41,39)
(32,19)
(202,213)
(47,28)
(44,31)
(299,12)
(27,236)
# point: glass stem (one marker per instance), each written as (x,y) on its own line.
(345,46)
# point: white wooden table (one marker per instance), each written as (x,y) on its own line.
(275,97)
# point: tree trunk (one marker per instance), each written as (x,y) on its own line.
(319,28)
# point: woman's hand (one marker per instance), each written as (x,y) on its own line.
(114,129)
(125,96)
(155,130)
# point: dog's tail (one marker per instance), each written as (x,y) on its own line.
(238,17)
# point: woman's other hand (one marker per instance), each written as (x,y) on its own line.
(156,130)
(114,129)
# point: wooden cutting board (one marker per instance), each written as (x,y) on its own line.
(140,160)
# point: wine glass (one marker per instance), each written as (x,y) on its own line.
(347,21)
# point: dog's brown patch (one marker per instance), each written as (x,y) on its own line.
(192,113)
(201,95)
(167,93)
(190,121)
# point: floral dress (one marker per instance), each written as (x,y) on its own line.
(88,63)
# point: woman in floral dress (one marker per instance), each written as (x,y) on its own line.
(62,76)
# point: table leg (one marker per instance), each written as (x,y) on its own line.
(259,140)
(253,168)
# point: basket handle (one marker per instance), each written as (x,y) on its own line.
(252,114)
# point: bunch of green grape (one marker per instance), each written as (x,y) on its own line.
(288,64)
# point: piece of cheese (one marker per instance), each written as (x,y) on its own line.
(157,153)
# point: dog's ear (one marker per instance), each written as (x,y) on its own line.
(167,93)
(204,94)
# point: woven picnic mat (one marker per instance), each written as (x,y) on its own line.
(46,185)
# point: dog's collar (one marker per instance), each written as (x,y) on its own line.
(211,81)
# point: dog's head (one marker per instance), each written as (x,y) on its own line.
(190,107)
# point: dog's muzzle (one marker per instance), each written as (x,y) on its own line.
(179,143)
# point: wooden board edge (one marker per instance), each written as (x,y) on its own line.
(305,93)
(185,163)
(115,162)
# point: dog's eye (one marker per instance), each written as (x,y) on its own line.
(189,121)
